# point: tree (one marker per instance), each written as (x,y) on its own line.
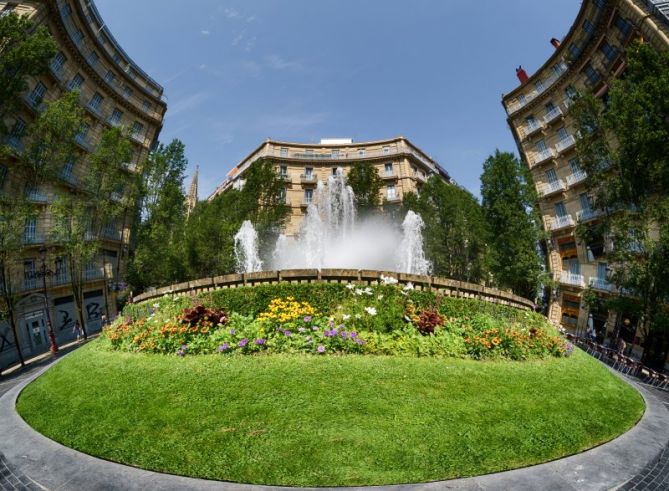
(622,147)
(24,51)
(455,230)
(84,216)
(508,200)
(366,183)
(158,253)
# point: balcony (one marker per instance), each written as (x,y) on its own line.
(60,279)
(33,239)
(308,178)
(393,198)
(576,178)
(57,72)
(93,274)
(551,188)
(601,284)
(114,122)
(35,104)
(15,142)
(419,176)
(530,128)
(83,142)
(542,156)
(516,105)
(389,175)
(572,279)
(112,234)
(565,143)
(587,215)
(29,284)
(560,222)
(138,137)
(96,110)
(306,202)
(552,115)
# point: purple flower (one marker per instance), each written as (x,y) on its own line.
(180,353)
(287,333)
(307,318)
(184,347)
(243,343)
(321,349)
(354,335)
(223,347)
(331,324)
(232,331)
(359,341)
(328,334)
(343,334)
(259,342)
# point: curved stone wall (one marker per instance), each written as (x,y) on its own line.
(448,287)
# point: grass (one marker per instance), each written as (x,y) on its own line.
(327,421)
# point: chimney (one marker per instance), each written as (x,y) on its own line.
(522,75)
(555,42)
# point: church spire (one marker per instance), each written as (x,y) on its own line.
(191,200)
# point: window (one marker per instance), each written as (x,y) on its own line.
(588,27)
(30,230)
(37,94)
(284,152)
(308,195)
(3,175)
(521,99)
(600,3)
(570,92)
(117,58)
(96,101)
(573,266)
(76,82)
(585,201)
(592,74)
(335,153)
(283,171)
(116,116)
(309,172)
(137,129)
(601,271)
(146,106)
(58,61)
(610,53)
(78,37)
(386,149)
(388,168)
(574,51)
(127,92)
(549,107)
(361,152)
(575,166)
(109,77)
(623,25)
(66,10)
(66,171)
(334,171)
(29,274)
(19,128)
(541,146)
(93,58)
(562,133)
(391,192)
(84,130)
(558,69)
(560,210)
(539,85)
(531,122)
(282,195)
(551,176)
(61,270)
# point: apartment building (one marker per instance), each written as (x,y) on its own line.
(402,166)
(114,91)
(589,57)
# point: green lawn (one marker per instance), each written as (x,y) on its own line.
(308,420)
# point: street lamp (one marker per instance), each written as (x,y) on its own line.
(43,272)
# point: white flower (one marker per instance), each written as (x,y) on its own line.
(350,286)
(368,291)
(156,305)
(380,297)
(370,310)
(388,280)
(346,317)
(408,286)
(358,316)
(359,291)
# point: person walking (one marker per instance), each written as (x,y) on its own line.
(78,330)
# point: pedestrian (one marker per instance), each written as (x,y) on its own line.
(78,330)
(621,346)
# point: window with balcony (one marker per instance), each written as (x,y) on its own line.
(37,94)
(78,36)
(586,204)
(83,132)
(34,193)
(19,129)
(57,62)
(29,274)
(75,83)
(308,195)
(282,196)
(93,58)
(549,107)
(146,105)
(562,133)
(539,85)
(391,192)
(574,51)
(96,101)
(610,52)
(117,58)
(588,27)
(109,77)
(541,146)
(551,176)
(570,92)
(388,169)
(623,25)
(60,275)
(575,166)
(116,116)
(592,75)
(67,171)
(558,69)
(531,123)
(137,131)
(284,152)
(309,173)
(522,99)
(560,210)
(283,171)
(127,92)
(30,230)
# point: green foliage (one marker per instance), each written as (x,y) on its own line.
(456,231)
(24,51)
(622,147)
(364,179)
(508,200)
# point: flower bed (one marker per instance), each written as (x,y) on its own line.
(325,319)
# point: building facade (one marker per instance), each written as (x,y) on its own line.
(590,56)
(114,91)
(402,166)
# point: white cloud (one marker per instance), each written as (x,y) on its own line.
(186,104)
(250,44)
(238,38)
(231,13)
(204,32)
(251,18)
(276,62)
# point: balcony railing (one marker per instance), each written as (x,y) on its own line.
(514,106)
(552,115)
(308,178)
(32,239)
(129,166)
(565,143)
(558,222)
(83,142)
(551,187)
(389,175)
(34,103)
(306,202)
(576,177)
(97,110)
(542,156)
(587,215)
(573,279)
(601,284)
(93,274)
(60,279)
(392,198)
(530,128)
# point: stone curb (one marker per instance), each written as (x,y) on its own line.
(57,467)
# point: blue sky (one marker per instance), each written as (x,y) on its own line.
(238,72)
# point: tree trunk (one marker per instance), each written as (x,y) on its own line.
(10,309)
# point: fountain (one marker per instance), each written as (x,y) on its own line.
(246,249)
(332,237)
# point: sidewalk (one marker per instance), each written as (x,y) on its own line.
(636,460)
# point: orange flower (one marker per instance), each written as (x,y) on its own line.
(496,341)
